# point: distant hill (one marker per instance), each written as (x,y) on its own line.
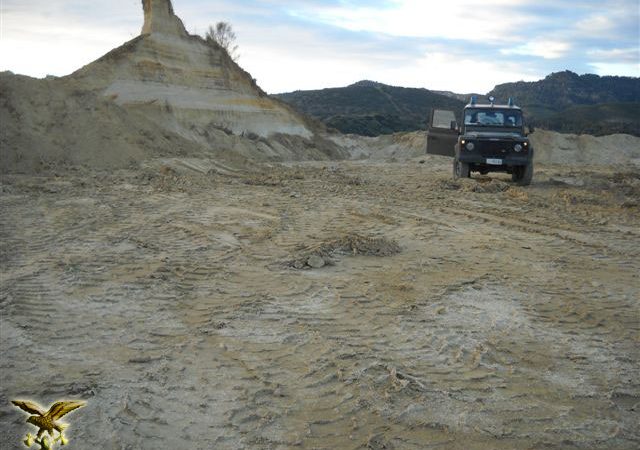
(563,101)
(369,108)
(462,97)
(598,120)
(563,90)
(572,103)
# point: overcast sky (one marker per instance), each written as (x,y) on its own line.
(458,45)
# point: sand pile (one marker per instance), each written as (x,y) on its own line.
(558,148)
(551,148)
(401,146)
(49,123)
(163,93)
(325,253)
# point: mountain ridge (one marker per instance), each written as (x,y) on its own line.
(560,90)
(370,108)
(562,101)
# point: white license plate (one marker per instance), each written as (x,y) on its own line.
(494,162)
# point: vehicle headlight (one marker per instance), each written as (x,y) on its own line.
(518,147)
(470,146)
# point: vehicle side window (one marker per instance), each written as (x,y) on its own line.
(442,118)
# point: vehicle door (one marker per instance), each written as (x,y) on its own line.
(441,138)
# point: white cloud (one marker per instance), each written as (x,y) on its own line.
(46,41)
(283,70)
(486,20)
(620,69)
(443,71)
(628,55)
(436,70)
(598,23)
(543,49)
(308,48)
(306,62)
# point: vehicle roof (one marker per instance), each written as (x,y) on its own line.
(491,106)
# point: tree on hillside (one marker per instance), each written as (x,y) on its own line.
(224,36)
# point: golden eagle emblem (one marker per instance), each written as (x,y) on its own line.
(47,421)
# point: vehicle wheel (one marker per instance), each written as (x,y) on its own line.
(523,174)
(460,169)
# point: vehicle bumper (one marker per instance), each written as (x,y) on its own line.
(506,160)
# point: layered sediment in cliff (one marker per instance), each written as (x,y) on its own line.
(196,79)
(163,84)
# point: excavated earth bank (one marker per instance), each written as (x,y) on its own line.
(164,93)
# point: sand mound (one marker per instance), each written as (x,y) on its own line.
(400,146)
(322,254)
(558,148)
(550,147)
(163,93)
(49,123)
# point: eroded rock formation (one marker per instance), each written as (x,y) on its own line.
(163,92)
(160,18)
(165,67)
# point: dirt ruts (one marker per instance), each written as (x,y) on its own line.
(451,317)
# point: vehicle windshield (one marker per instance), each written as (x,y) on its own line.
(493,117)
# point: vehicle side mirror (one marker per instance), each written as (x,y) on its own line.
(530,129)
(454,125)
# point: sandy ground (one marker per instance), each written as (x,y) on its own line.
(182,306)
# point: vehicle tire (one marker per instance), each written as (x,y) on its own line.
(460,169)
(523,174)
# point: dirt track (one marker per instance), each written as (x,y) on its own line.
(170,300)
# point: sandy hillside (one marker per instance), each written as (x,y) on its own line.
(53,124)
(164,93)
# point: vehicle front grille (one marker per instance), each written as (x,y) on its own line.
(494,149)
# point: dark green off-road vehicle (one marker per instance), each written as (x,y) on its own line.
(491,138)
